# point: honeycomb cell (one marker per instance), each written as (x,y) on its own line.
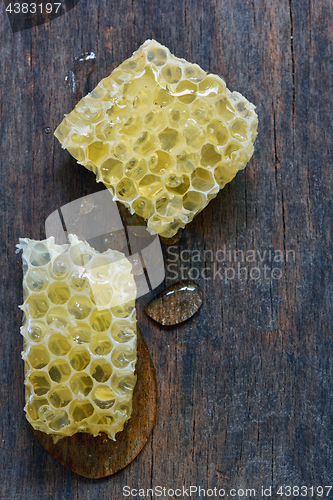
(239,129)
(186,91)
(103,397)
(224,109)
(80,410)
(136,168)
(157,55)
(145,144)
(101,345)
(217,133)
(232,150)
(65,358)
(209,156)
(86,114)
(141,101)
(160,162)
(58,344)
(121,150)
(59,267)
(150,186)
(187,162)
(81,385)
(60,421)
(169,139)
(38,357)
(46,413)
(79,256)
(82,140)
(123,310)
(126,190)
(222,175)
(122,356)
(101,269)
(40,382)
(211,86)
(101,320)
(203,178)
(79,358)
(77,282)
(194,73)
(172,73)
(79,306)
(178,115)
(37,279)
(39,255)
(177,183)
(168,205)
(57,317)
(163,98)
(123,385)
(132,126)
(202,111)
(143,207)
(58,293)
(107,420)
(194,135)
(97,151)
(155,120)
(76,152)
(81,333)
(101,370)
(194,201)
(34,405)
(59,371)
(122,407)
(60,396)
(112,171)
(37,305)
(122,331)
(106,132)
(161,226)
(36,330)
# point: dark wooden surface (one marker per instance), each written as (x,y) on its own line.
(246,385)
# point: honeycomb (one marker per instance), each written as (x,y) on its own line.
(79,329)
(163,135)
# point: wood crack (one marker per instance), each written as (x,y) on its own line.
(292,54)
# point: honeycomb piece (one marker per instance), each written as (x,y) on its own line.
(163,135)
(79,329)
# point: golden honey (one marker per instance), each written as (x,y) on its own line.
(79,334)
(160,131)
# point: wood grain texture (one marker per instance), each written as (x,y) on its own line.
(101,457)
(246,384)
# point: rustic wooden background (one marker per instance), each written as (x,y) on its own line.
(245,385)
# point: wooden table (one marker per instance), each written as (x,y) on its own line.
(245,385)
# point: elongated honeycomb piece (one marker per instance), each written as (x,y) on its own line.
(163,135)
(79,330)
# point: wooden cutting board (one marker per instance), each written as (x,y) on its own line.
(97,457)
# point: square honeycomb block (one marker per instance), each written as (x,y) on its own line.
(79,330)
(163,135)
